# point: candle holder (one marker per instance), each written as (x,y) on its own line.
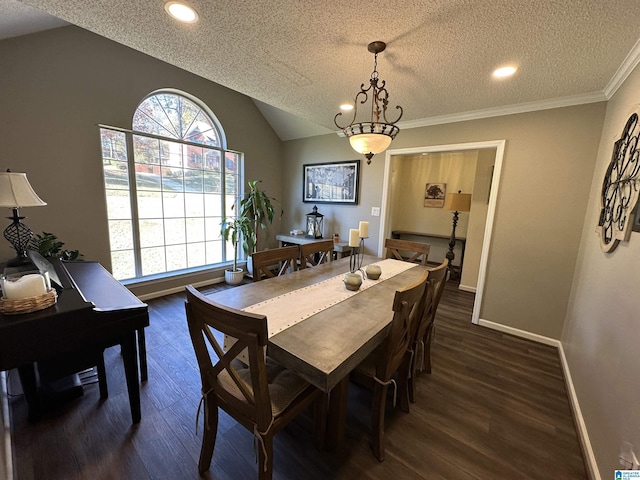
(352,280)
(30,294)
(355,260)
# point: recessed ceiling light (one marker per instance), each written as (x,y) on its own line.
(181,11)
(346,107)
(504,72)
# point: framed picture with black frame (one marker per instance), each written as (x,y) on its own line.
(333,182)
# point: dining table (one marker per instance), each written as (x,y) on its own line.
(321,330)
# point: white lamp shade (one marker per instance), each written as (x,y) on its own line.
(370,142)
(16,191)
(458,202)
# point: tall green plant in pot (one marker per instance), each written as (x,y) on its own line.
(259,208)
(237,230)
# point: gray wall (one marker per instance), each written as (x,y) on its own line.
(601,332)
(478,218)
(57,86)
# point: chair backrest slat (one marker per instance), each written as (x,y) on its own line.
(405,305)
(430,299)
(283,258)
(316,253)
(408,251)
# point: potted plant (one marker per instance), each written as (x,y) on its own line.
(259,209)
(49,246)
(235,229)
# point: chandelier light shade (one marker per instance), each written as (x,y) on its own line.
(374,136)
(16,192)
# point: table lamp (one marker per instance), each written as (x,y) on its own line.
(16,192)
(455,202)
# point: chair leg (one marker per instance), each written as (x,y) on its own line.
(102,377)
(208,436)
(411,387)
(403,382)
(265,458)
(320,420)
(428,339)
(377,420)
(413,369)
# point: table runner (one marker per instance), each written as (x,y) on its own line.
(290,308)
(287,309)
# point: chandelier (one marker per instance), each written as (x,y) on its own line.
(374,136)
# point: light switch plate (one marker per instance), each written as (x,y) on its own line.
(375,211)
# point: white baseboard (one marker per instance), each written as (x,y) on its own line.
(519,333)
(169,291)
(583,434)
(466,288)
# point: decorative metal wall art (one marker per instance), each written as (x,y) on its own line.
(620,188)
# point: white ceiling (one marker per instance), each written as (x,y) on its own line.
(301,59)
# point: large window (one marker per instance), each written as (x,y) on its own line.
(169,183)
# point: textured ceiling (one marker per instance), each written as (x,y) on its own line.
(19,19)
(306,57)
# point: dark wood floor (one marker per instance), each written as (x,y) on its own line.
(495,407)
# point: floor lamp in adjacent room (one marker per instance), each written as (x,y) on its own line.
(455,202)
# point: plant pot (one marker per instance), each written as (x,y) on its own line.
(250,265)
(234,277)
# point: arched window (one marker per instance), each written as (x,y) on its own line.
(169,183)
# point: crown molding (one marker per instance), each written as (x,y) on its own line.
(625,69)
(506,110)
(628,65)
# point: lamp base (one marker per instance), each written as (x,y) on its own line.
(19,236)
(18,261)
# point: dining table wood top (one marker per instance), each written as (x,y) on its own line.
(325,347)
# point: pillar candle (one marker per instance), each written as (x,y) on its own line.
(26,286)
(364,229)
(354,241)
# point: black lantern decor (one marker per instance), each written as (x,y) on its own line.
(314,224)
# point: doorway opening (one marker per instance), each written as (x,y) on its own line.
(386,226)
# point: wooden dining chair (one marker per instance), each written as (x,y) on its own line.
(408,251)
(283,259)
(424,327)
(262,396)
(316,253)
(391,358)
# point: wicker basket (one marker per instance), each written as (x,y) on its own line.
(30,304)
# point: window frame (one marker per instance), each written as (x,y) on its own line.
(224,206)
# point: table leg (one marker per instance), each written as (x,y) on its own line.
(336,429)
(130,361)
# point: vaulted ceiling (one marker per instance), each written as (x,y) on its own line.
(301,59)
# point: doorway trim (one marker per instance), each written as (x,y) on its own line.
(499,145)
